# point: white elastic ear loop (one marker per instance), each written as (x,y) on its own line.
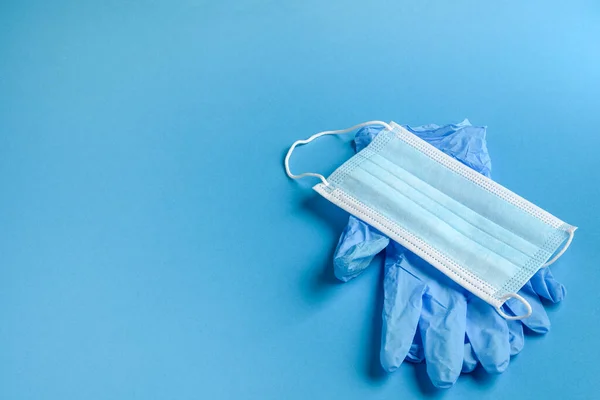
(565,247)
(286,162)
(517,317)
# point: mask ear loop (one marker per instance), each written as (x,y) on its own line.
(286,162)
(565,247)
(517,317)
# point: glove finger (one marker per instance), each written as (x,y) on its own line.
(402,303)
(515,337)
(488,334)
(538,322)
(358,245)
(544,285)
(443,333)
(469,361)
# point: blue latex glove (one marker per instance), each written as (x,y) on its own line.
(427,315)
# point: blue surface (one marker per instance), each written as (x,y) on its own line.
(151,246)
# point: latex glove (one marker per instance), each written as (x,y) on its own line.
(428,316)
(416,294)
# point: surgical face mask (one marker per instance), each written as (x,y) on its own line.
(483,236)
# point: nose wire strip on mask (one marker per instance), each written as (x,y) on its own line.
(317,135)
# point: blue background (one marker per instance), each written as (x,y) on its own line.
(151,246)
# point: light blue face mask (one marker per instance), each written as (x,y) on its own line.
(480,234)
